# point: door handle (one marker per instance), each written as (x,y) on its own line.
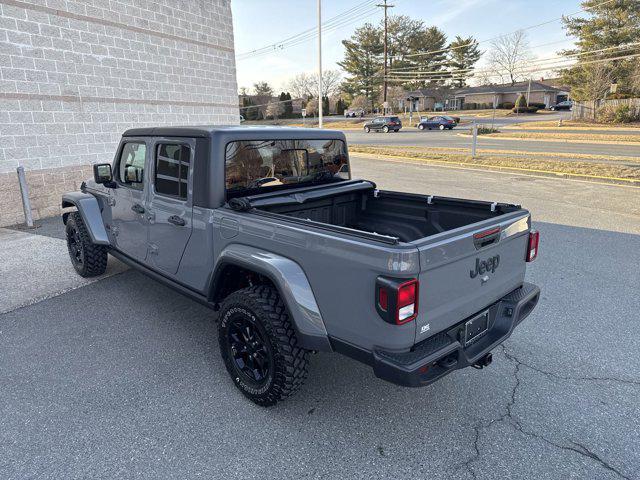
(138,208)
(176,220)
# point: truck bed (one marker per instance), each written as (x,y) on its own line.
(404,216)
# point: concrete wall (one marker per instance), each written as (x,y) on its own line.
(75,74)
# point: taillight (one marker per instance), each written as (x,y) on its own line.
(407,302)
(397,299)
(532,248)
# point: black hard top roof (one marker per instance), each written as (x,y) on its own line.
(230,132)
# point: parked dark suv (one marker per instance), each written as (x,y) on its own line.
(566,105)
(386,124)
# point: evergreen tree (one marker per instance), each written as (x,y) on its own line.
(288,106)
(610,24)
(463,55)
(325,106)
(363,62)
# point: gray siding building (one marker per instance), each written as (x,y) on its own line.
(75,74)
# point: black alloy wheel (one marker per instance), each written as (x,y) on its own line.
(87,258)
(259,346)
(251,355)
(76,248)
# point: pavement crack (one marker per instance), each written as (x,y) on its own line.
(514,358)
(576,446)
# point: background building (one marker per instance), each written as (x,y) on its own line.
(76,74)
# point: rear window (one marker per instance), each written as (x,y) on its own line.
(254,166)
(395,119)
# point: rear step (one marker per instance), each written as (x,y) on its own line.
(447,351)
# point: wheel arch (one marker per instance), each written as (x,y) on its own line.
(287,277)
(89,209)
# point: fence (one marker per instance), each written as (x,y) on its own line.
(588,110)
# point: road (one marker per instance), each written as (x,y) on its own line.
(122,378)
(452,139)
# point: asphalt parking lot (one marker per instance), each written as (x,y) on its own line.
(122,378)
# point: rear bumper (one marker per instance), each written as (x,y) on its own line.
(445,352)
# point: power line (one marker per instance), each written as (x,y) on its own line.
(530,27)
(351,15)
(521,71)
(627,46)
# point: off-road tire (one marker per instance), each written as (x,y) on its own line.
(262,306)
(92,258)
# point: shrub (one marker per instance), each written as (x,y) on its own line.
(525,109)
(484,130)
(539,106)
(506,105)
(617,114)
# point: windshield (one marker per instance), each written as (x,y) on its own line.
(254,166)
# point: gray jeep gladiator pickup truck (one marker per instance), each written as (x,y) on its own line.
(267,227)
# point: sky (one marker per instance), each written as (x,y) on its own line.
(260,23)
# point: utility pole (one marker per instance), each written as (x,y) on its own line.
(384,85)
(319,63)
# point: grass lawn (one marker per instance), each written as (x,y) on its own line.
(555,135)
(574,125)
(594,170)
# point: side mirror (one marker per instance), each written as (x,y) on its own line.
(102,173)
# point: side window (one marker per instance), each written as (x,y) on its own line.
(131,164)
(172,169)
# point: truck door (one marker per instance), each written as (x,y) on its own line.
(170,202)
(129,226)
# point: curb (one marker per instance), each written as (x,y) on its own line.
(625,182)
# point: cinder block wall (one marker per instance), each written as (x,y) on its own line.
(75,74)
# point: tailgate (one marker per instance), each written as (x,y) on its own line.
(461,274)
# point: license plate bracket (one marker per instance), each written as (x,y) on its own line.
(476,327)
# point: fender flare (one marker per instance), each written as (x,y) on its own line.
(292,284)
(89,210)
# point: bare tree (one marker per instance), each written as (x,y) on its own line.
(331,81)
(302,85)
(359,103)
(274,109)
(312,106)
(395,95)
(509,54)
(305,85)
(482,77)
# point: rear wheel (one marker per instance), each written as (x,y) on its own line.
(259,345)
(420,127)
(367,129)
(441,127)
(87,258)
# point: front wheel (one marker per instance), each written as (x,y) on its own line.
(441,127)
(420,127)
(385,129)
(259,346)
(87,258)
(367,129)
